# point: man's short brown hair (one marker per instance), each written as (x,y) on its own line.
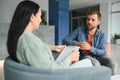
(95,12)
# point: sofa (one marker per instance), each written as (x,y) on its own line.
(17,71)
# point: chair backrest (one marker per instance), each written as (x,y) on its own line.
(17,71)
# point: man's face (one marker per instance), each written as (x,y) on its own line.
(92,21)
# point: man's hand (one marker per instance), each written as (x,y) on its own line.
(84,45)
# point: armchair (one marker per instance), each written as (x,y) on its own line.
(17,71)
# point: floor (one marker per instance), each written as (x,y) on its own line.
(115,54)
(115,77)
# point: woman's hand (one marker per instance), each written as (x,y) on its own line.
(74,56)
(58,48)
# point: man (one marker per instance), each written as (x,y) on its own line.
(92,42)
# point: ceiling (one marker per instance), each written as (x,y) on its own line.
(76,4)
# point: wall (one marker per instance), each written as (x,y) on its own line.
(106,17)
(7,8)
(4,11)
(3,39)
(44,6)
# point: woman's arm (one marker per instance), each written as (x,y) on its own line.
(57,48)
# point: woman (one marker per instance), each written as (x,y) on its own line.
(24,47)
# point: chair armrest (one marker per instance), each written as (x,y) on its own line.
(17,71)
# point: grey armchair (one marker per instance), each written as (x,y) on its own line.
(17,71)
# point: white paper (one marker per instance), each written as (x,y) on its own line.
(66,51)
(82,63)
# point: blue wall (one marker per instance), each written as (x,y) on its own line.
(59,16)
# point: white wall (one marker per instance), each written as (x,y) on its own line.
(7,8)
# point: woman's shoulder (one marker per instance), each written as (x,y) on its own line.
(29,39)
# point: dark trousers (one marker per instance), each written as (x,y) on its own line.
(104,61)
(109,62)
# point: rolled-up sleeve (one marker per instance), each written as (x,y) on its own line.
(71,39)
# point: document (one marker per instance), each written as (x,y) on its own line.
(65,52)
(82,63)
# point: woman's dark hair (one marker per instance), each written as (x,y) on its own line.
(18,24)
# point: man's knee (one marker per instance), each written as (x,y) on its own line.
(94,61)
(109,62)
